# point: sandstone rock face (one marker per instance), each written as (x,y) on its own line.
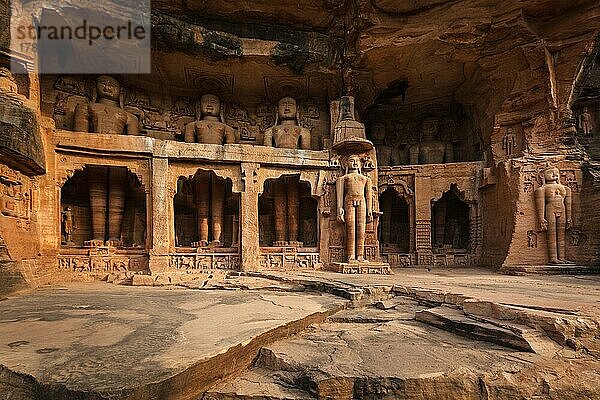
(21,143)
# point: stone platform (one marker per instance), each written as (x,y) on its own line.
(139,342)
(549,270)
(361,268)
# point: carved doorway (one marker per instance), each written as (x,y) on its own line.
(101,204)
(206,212)
(287,214)
(394,226)
(450,224)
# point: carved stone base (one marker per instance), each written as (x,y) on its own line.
(201,243)
(364,267)
(549,270)
(93,243)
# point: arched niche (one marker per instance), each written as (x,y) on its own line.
(394,222)
(450,223)
(112,196)
(206,212)
(287,213)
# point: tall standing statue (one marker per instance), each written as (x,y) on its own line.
(209,193)
(509,141)
(287,133)
(387,155)
(106,184)
(355,207)
(431,150)
(585,122)
(209,126)
(553,201)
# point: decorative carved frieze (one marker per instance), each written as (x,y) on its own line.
(192,262)
(287,258)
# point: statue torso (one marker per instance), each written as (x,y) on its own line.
(554,194)
(286,136)
(107,119)
(210,132)
(432,152)
(354,185)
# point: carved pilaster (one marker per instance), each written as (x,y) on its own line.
(250,247)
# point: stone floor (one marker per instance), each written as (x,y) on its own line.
(107,338)
(418,334)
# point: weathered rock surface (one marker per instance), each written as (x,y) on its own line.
(105,341)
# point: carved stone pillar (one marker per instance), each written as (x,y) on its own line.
(162,216)
(423,219)
(250,247)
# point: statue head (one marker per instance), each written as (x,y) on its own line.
(353,163)
(210,106)
(378,132)
(551,174)
(108,87)
(585,109)
(430,128)
(287,109)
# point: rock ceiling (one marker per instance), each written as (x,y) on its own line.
(436,47)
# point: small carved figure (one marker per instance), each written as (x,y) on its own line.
(431,150)
(553,201)
(68,225)
(107,114)
(532,239)
(509,141)
(8,84)
(585,122)
(287,132)
(209,126)
(354,201)
(387,155)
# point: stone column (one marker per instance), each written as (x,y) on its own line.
(161,216)
(250,247)
(423,219)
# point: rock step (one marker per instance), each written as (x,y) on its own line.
(565,329)
(258,384)
(455,321)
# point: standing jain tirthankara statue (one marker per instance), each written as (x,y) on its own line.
(355,207)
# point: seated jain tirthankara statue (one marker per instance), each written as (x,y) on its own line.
(355,208)
(553,202)
(430,150)
(209,127)
(287,132)
(107,114)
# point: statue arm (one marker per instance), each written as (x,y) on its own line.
(304,139)
(81,120)
(268,139)
(449,153)
(369,199)
(189,132)
(540,203)
(568,206)
(229,135)
(133,126)
(339,190)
